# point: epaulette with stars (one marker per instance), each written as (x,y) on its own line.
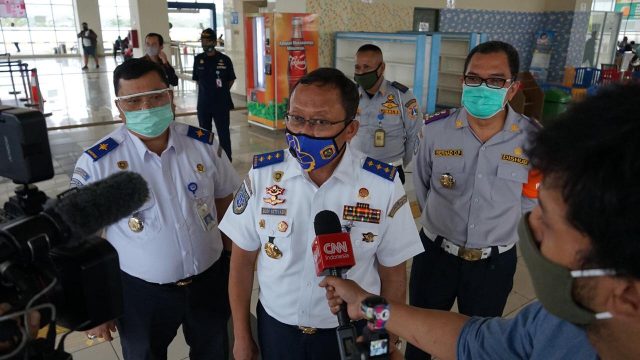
(428,119)
(267,159)
(380,168)
(102,148)
(400,87)
(200,134)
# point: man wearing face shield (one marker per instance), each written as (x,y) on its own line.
(473,182)
(153,45)
(273,215)
(213,71)
(581,245)
(388,112)
(173,258)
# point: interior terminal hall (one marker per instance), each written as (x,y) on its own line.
(166,168)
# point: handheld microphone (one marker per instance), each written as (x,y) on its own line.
(333,254)
(76,214)
(332,250)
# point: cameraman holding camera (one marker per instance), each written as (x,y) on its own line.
(581,245)
(174,266)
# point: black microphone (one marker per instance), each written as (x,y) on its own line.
(332,251)
(76,214)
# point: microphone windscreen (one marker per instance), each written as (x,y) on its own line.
(101,203)
(327,222)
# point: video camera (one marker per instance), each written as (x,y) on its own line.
(51,261)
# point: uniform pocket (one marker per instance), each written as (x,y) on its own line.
(447,170)
(507,186)
(276,230)
(365,239)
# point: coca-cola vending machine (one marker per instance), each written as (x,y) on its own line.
(280,49)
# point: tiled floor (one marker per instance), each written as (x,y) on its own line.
(76,97)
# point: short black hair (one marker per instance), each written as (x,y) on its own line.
(369,47)
(334,78)
(592,155)
(134,69)
(160,38)
(491,47)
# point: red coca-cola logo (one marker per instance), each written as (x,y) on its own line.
(298,62)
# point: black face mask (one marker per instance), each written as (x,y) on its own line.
(85,27)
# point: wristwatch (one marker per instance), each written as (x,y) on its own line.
(376,311)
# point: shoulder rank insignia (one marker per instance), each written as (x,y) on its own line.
(400,87)
(102,148)
(266,159)
(428,119)
(200,134)
(379,168)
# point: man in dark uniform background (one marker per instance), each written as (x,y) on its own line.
(213,71)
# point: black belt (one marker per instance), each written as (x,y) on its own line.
(189,280)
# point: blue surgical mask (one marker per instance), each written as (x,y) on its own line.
(150,123)
(313,152)
(483,102)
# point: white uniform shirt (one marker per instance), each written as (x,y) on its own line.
(173,244)
(289,288)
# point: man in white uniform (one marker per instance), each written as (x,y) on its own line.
(272,221)
(173,261)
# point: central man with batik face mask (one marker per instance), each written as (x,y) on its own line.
(272,220)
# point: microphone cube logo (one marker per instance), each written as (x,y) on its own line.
(335,248)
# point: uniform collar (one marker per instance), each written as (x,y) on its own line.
(142,149)
(511,123)
(344,171)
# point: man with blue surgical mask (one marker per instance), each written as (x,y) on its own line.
(581,245)
(473,181)
(272,220)
(174,261)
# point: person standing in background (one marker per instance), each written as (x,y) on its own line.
(213,71)
(89,44)
(153,46)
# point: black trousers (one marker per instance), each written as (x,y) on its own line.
(439,278)
(153,313)
(222,119)
(280,341)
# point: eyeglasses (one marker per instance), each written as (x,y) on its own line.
(493,83)
(153,99)
(295,122)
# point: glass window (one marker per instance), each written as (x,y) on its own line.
(63,16)
(40,17)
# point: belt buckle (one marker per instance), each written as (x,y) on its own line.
(470,254)
(184,282)
(307,330)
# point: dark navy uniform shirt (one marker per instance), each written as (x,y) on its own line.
(206,71)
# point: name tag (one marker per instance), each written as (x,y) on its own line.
(448,152)
(515,159)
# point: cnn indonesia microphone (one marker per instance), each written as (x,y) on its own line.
(333,254)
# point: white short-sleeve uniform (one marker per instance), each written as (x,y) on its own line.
(289,289)
(173,243)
